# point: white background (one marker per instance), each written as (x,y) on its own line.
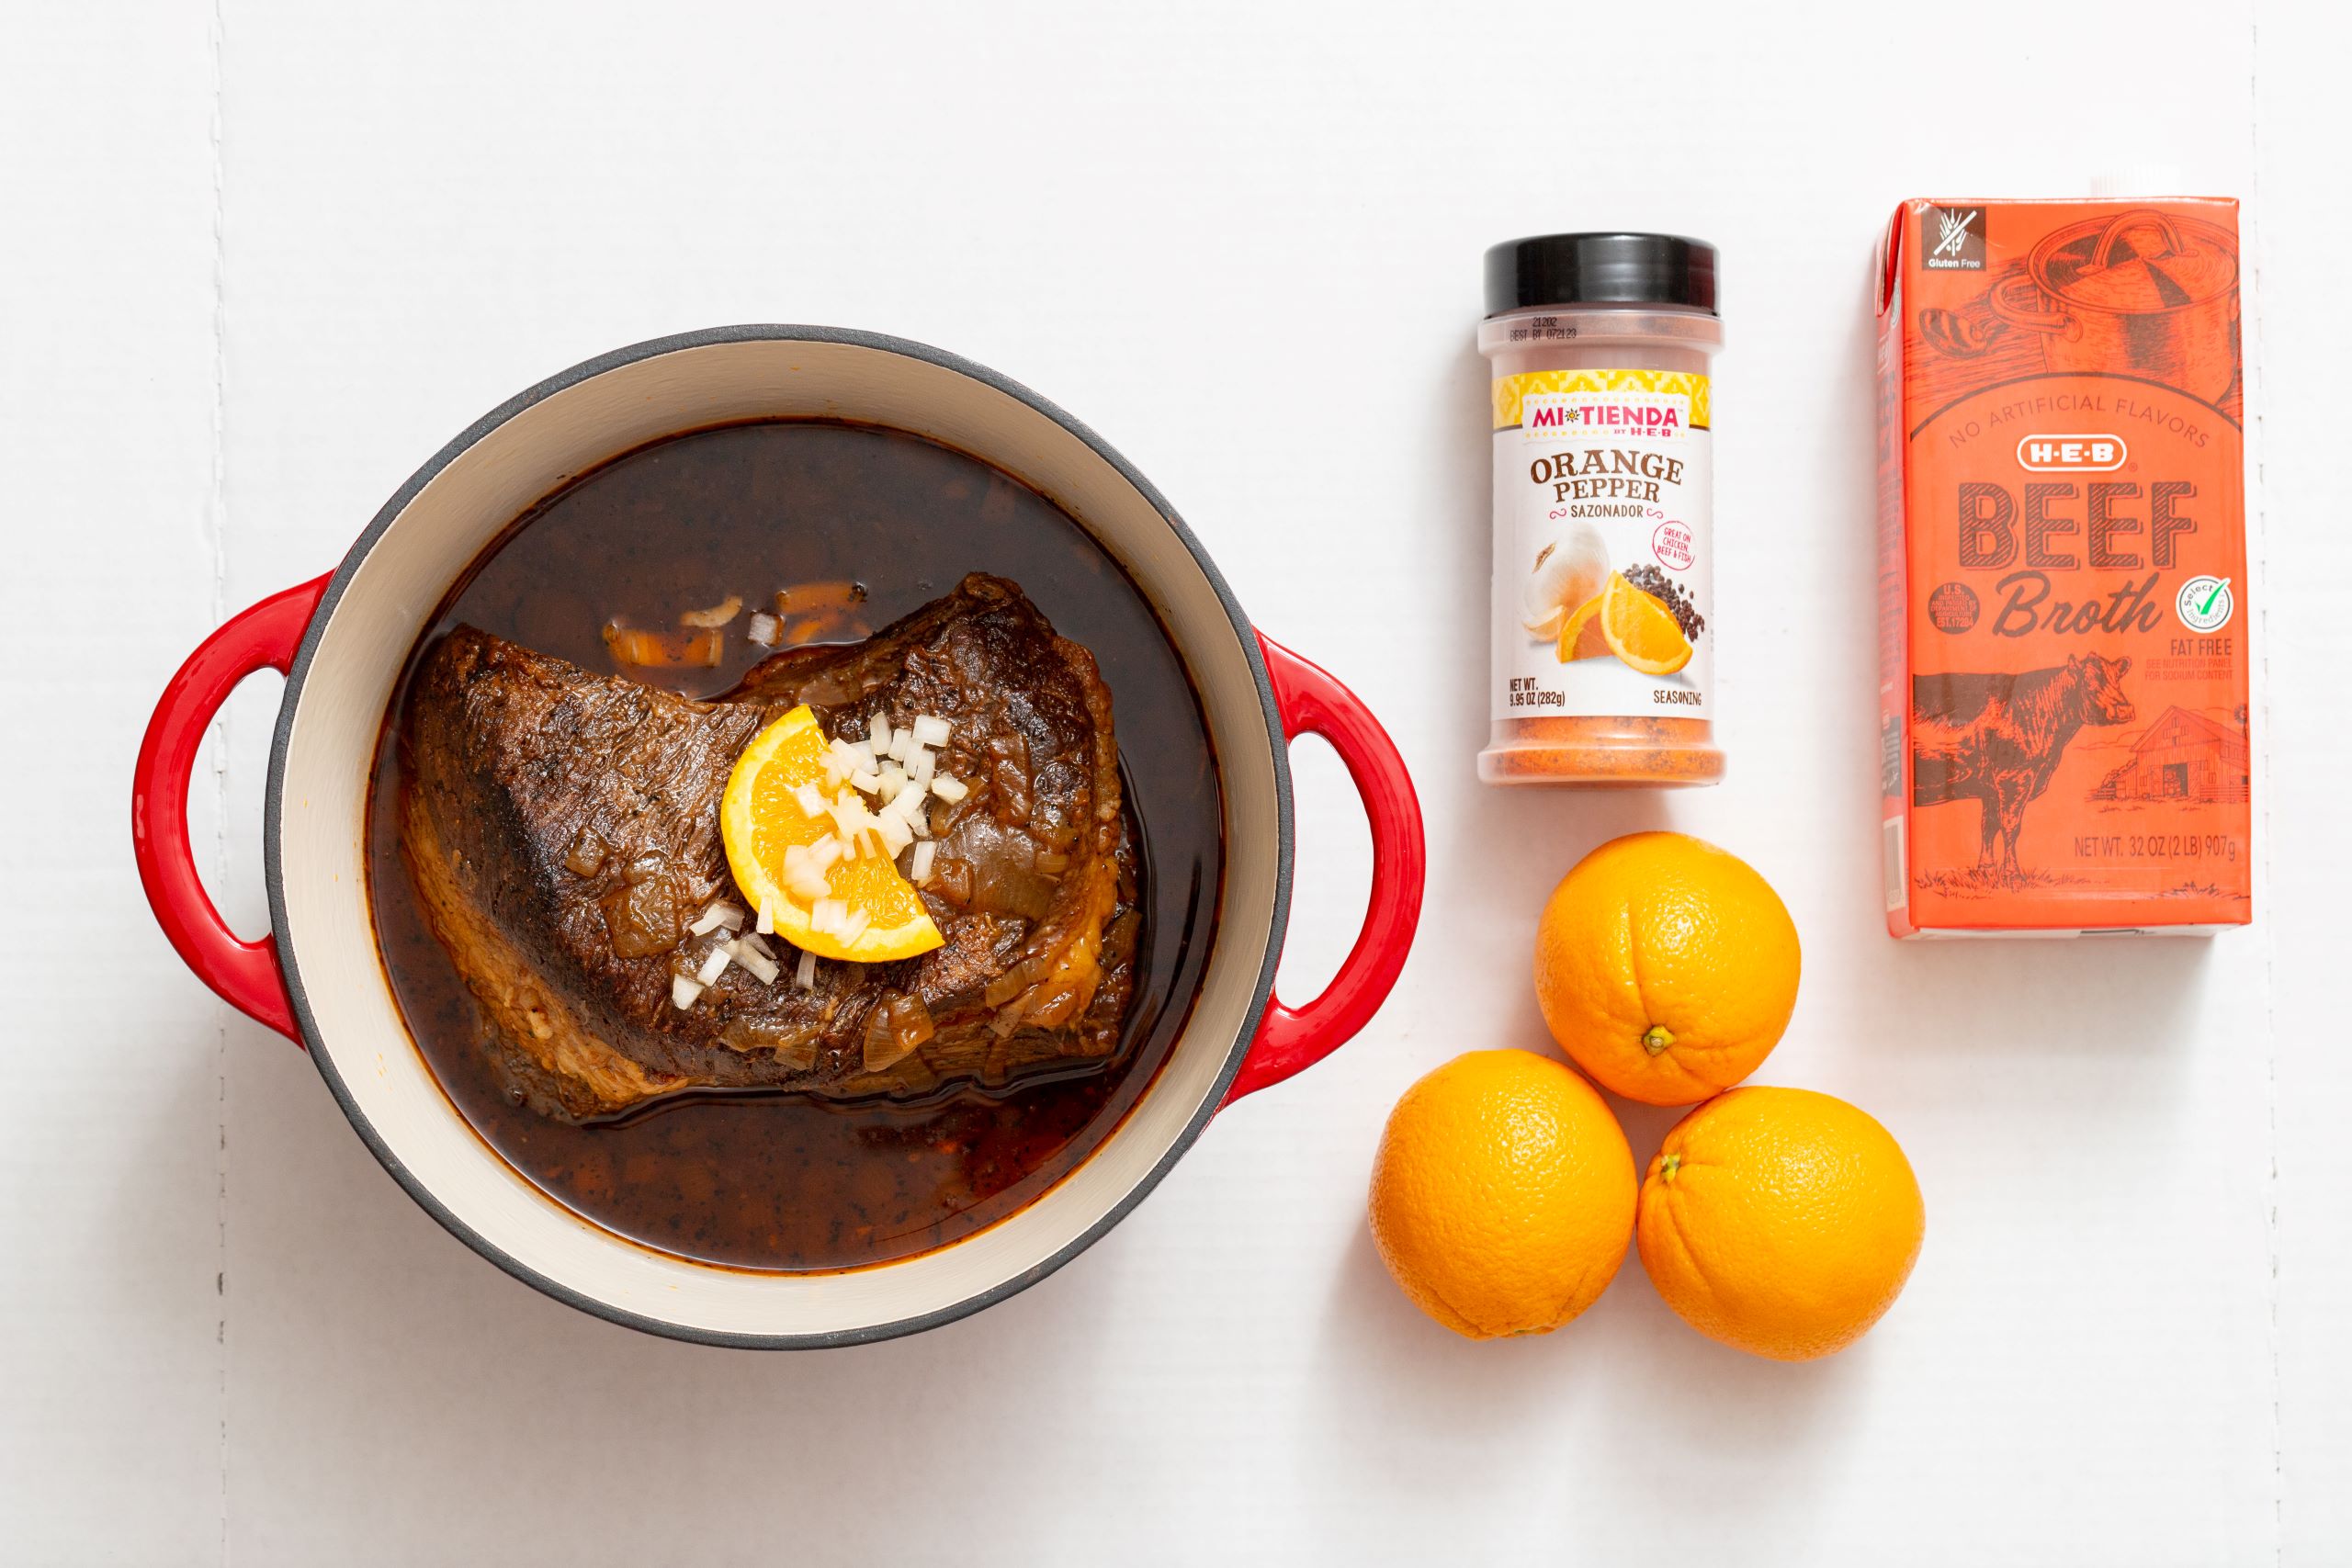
(261,262)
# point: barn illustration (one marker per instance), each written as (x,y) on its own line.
(2183,756)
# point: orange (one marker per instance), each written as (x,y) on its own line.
(1502,1197)
(1666,967)
(1640,630)
(1581,633)
(760,818)
(1781,1221)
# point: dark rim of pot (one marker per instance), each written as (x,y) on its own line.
(289,952)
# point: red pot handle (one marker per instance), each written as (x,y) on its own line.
(1293,1039)
(245,973)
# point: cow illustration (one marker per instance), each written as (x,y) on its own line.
(1997,739)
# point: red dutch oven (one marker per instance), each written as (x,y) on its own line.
(341,640)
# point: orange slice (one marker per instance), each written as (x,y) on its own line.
(1640,630)
(1580,633)
(761,818)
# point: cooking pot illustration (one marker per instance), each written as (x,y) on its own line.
(2142,293)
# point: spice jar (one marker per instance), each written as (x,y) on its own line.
(1604,508)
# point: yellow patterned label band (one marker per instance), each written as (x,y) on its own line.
(1511,392)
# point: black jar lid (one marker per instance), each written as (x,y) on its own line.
(1600,269)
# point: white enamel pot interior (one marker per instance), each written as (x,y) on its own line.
(380,602)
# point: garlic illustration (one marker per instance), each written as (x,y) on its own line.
(1568,573)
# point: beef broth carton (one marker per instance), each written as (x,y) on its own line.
(2063,593)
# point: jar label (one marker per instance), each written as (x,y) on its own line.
(1604,504)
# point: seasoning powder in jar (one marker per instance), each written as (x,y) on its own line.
(1604,508)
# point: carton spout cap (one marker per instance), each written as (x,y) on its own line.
(2128,180)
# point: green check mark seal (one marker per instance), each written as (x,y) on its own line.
(2205,603)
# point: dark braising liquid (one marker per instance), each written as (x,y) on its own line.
(781,1181)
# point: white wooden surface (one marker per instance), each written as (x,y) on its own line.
(261,262)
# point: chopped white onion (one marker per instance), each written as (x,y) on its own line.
(765,630)
(894,779)
(767,917)
(866,779)
(713,965)
(900,740)
(719,913)
(828,914)
(918,821)
(760,965)
(719,614)
(932,730)
(805,975)
(896,833)
(949,788)
(827,852)
(922,763)
(683,991)
(918,872)
(811,802)
(851,929)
